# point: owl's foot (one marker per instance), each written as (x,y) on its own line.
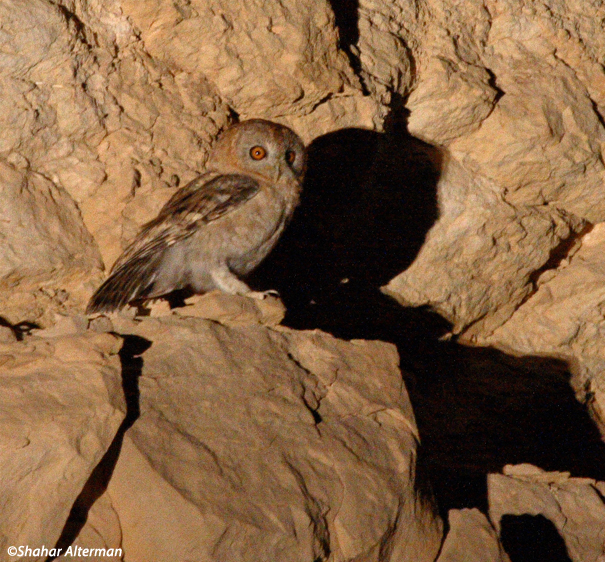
(229,283)
(261,295)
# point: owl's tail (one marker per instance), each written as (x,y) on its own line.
(131,281)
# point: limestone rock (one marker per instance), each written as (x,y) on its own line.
(281,445)
(62,404)
(574,506)
(514,96)
(45,244)
(235,47)
(565,318)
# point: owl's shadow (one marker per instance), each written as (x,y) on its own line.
(369,201)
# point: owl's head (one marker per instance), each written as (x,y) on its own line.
(260,149)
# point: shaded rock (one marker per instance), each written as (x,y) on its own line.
(565,318)
(574,506)
(62,404)
(471,538)
(480,233)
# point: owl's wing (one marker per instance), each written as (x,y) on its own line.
(204,200)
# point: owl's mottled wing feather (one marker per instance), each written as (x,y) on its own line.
(204,200)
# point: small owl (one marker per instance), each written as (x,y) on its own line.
(218,227)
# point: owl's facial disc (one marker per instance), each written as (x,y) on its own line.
(260,148)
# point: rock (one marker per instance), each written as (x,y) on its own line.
(234,309)
(155,521)
(471,538)
(451,101)
(45,244)
(62,404)
(281,445)
(574,506)
(270,62)
(7,334)
(514,96)
(564,318)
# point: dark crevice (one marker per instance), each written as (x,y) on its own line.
(493,84)
(72,19)
(313,411)
(132,367)
(559,253)
(21,329)
(346,15)
(598,113)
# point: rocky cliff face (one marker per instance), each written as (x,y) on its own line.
(455,160)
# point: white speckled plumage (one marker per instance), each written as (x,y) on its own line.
(218,227)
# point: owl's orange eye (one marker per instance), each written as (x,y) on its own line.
(290,156)
(258,152)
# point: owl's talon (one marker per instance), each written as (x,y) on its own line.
(261,295)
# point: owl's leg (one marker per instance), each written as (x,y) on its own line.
(229,283)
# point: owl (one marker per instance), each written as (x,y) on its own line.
(220,226)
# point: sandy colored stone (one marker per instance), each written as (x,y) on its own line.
(234,309)
(156,520)
(479,233)
(101,532)
(290,446)
(471,538)
(7,334)
(266,59)
(565,318)
(45,246)
(434,117)
(62,404)
(574,505)
(513,93)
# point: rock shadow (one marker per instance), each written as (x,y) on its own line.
(532,538)
(132,368)
(346,15)
(369,200)
(20,330)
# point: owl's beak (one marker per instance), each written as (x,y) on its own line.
(278,173)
